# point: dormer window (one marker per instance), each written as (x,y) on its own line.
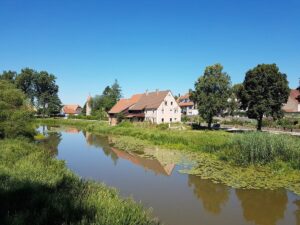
(166,103)
(171,103)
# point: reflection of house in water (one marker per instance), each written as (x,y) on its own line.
(72,130)
(263,207)
(150,164)
(213,196)
(51,142)
(100,142)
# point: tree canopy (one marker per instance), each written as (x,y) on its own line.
(212,91)
(265,90)
(40,88)
(15,113)
(109,97)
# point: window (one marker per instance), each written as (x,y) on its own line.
(153,111)
(170,119)
(166,103)
(171,103)
(162,120)
(175,119)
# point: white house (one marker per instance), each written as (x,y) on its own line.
(155,107)
(188,107)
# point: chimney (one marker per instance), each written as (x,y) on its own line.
(146,92)
(157,91)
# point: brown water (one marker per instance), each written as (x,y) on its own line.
(176,199)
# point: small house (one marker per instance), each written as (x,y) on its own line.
(71,110)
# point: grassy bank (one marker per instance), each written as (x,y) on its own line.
(35,188)
(250,160)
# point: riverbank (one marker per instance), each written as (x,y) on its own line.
(253,160)
(36,188)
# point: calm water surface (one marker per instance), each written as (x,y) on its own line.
(176,199)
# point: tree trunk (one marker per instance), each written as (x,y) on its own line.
(209,122)
(259,123)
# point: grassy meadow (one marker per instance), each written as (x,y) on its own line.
(36,188)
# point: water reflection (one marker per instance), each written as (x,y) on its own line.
(148,164)
(51,142)
(263,207)
(297,212)
(101,142)
(213,196)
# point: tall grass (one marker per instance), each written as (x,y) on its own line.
(263,148)
(38,189)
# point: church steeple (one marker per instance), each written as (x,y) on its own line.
(88,106)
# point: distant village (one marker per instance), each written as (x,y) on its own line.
(159,107)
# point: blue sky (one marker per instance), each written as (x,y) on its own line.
(147,44)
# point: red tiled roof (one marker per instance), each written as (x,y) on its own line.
(124,104)
(185,104)
(71,109)
(151,100)
(186,96)
(295,94)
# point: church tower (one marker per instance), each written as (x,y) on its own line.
(88,106)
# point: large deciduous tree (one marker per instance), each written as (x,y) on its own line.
(212,91)
(265,90)
(40,88)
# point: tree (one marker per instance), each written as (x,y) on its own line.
(46,93)
(15,113)
(212,91)
(8,76)
(26,82)
(265,90)
(110,96)
(234,101)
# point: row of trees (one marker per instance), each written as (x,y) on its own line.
(263,93)
(39,87)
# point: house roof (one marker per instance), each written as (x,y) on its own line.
(151,100)
(186,96)
(124,104)
(294,94)
(71,109)
(185,104)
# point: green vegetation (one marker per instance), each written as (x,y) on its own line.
(265,90)
(212,91)
(35,188)
(40,89)
(15,113)
(249,160)
(104,102)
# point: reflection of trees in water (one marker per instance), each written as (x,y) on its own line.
(297,212)
(213,196)
(263,207)
(100,142)
(51,142)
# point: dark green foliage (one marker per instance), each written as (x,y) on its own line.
(36,188)
(39,87)
(212,91)
(15,114)
(265,90)
(108,99)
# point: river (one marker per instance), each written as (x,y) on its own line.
(176,198)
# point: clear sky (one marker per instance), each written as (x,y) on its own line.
(147,44)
